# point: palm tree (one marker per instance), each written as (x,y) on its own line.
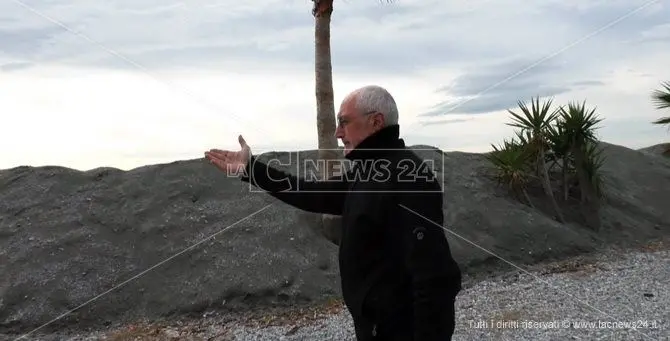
(662,99)
(559,145)
(578,125)
(593,167)
(536,122)
(512,160)
(325,104)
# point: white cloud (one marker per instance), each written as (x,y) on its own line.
(199,73)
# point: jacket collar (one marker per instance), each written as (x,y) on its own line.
(377,144)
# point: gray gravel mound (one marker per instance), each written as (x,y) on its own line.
(661,149)
(68,239)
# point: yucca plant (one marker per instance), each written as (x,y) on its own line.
(524,137)
(512,160)
(593,164)
(559,144)
(579,125)
(661,98)
(535,122)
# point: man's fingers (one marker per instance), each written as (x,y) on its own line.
(218,151)
(211,156)
(226,162)
(233,169)
(220,164)
(242,142)
(221,154)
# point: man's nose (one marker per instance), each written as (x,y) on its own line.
(338,132)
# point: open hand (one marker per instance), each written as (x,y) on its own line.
(230,162)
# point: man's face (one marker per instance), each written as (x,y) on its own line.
(354,127)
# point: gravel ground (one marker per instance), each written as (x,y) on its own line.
(556,301)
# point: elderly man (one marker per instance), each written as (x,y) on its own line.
(399,280)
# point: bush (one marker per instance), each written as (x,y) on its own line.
(552,146)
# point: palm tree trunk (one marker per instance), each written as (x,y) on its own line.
(547,185)
(590,205)
(578,151)
(325,105)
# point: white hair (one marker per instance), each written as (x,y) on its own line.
(375,98)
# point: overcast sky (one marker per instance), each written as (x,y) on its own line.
(126,83)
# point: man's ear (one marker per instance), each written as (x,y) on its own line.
(378,121)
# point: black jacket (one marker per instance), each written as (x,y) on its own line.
(395,261)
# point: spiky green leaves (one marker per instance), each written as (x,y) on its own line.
(578,123)
(661,98)
(534,120)
(564,136)
(512,159)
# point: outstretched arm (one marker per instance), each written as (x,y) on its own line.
(306,194)
(309,195)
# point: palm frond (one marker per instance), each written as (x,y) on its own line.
(511,160)
(662,97)
(524,137)
(535,119)
(578,123)
(558,140)
(593,166)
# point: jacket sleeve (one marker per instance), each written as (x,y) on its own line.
(427,257)
(309,195)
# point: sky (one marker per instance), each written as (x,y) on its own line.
(87,84)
